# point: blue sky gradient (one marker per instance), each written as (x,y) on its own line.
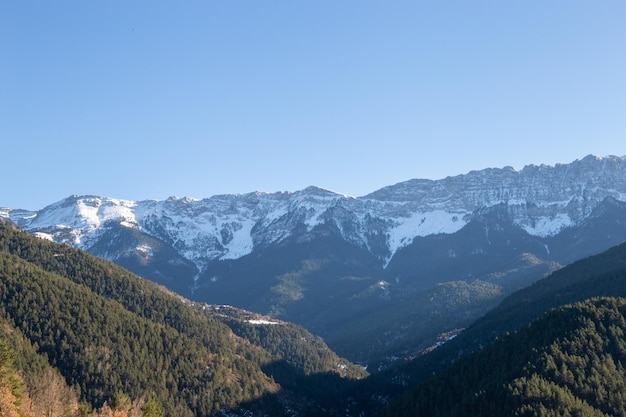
(144,100)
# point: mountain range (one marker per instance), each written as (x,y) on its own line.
(80,336)
(379,277)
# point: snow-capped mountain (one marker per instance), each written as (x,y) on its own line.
(330,261)
(543,200)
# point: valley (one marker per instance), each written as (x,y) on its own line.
(378,277)
(313,209)
(310,303)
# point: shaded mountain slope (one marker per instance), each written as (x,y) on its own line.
(599,275)
(569,362)
(101,348)
(596,276)
(108,330)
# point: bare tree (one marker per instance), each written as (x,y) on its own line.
(50,395)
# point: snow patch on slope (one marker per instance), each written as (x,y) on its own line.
(45,236)
(145,250)
(262,322)
(241,243)
(548,226)
(422,224)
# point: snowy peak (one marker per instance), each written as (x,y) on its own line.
(545,198)
(83,212)
(319,192)
(496,185)
(541,199)
(76,220)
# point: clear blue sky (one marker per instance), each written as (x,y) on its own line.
(144,99)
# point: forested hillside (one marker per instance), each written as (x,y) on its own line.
(29,386)
(569,363)
(596,276)
(109,332)
(600,275)
(110,342)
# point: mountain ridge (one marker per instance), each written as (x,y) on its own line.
(327,261)
(543,200)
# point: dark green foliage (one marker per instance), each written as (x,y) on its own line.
(115,336)
(599,275)
(424,317)
(101,348)
(571,362)
(8,377)
(152,408)
(112,334)
(287,341)
(303,363)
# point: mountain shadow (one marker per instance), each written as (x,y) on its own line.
(596,276)
(569,362)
